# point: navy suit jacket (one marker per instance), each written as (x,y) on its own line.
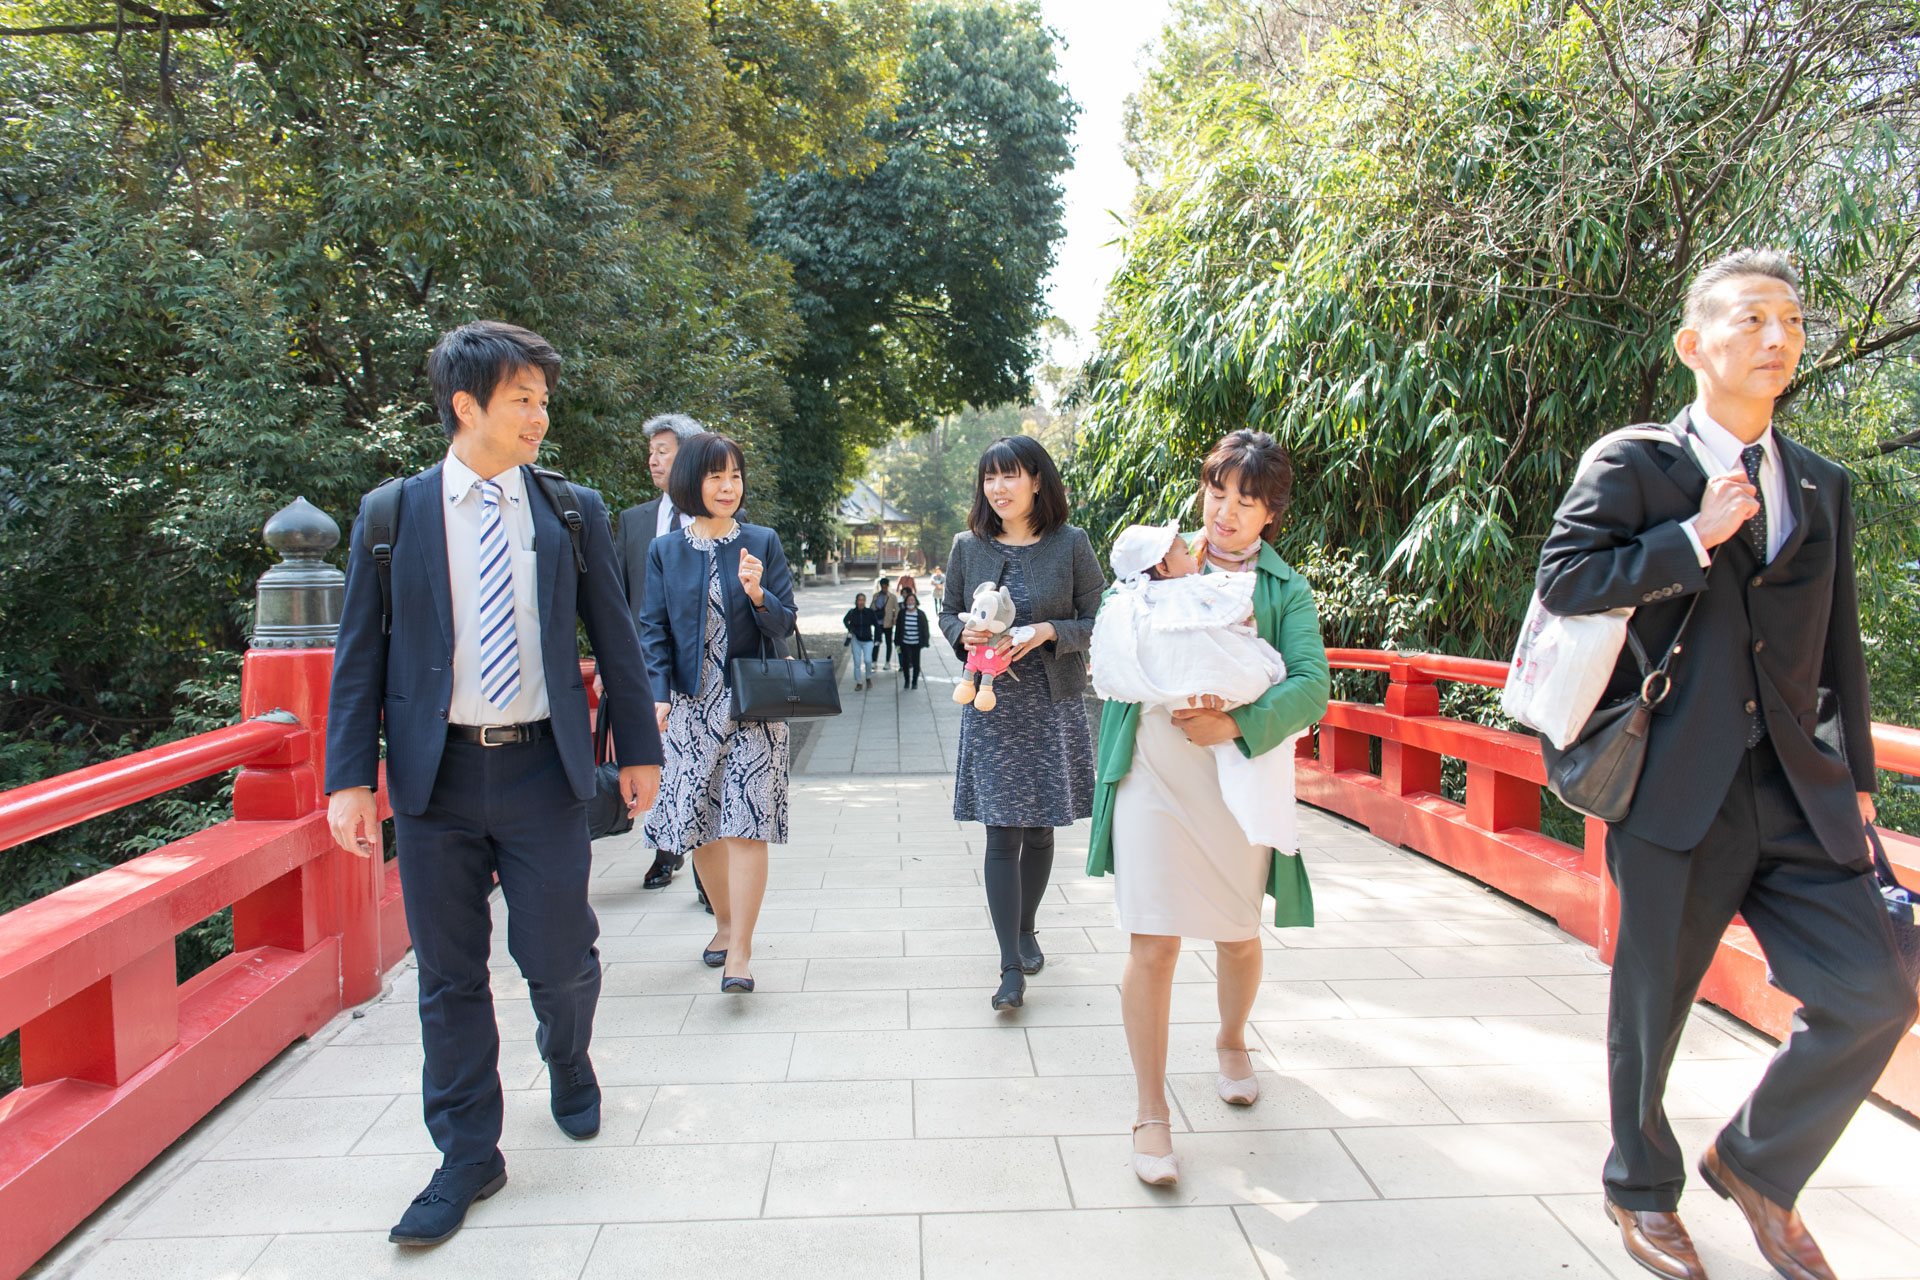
(406,679)
(673,619)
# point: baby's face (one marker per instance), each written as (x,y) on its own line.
(1179,561)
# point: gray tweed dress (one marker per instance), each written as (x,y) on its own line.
(1029,761)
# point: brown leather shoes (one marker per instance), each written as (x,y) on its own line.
(1657,1241)
(1780,1233)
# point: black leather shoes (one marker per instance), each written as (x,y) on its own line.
(1032,959)
(660,875)
(438,1212)
(1013,989)
(575,1094)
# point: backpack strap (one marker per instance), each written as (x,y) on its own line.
(379,527)
(566,500)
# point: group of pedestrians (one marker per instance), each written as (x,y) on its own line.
(1759,776)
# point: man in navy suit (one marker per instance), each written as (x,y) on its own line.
(489,747)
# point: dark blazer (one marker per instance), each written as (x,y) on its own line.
(1065,585)
(900,629)
(406,679)
(674,619)
(631,538)
(1783,636)
(862,623)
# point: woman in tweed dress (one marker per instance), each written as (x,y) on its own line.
(1025,767)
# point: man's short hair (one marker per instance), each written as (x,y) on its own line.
(679,423)
(1701,307)
(699,457)
(478,357)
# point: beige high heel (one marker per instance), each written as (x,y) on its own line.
(1237,1093)
(1156,1171)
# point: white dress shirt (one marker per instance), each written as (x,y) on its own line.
(667,519)
(1724,447)
(462,511)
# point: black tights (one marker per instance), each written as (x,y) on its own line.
(1019,863)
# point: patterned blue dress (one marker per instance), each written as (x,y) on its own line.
(1029,761)
(724,779)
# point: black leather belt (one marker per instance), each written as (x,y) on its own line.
(500,735)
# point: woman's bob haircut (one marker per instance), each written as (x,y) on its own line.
(701,456)
(1255,464)
(1018,455)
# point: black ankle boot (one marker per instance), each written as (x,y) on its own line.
(1013,988)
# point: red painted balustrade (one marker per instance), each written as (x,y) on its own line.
(1495,835)
(118,1057)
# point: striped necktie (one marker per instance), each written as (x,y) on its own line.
(499,644)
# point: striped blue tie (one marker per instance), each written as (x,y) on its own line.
(499,644)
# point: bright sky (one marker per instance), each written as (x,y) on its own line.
(1100,59)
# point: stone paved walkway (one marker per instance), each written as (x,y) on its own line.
(1433,1094)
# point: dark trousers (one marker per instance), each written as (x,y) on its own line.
(886,635)
(1019,864)
(910,664)
(1828,940)
(505,809)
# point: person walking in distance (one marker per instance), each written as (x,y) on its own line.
(717,590)
(1025,767)
(637,528)
(887,605)
(863,633)
(1759,769)
(474,670)
(910,636)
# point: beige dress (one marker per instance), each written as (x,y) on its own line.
(1182,866)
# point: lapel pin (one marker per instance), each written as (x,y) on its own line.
(1808,484)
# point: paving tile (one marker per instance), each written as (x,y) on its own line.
(593,1183)
(1023,1106)
(1388,1042)
(207,1257)
(269,1197)
(527,1123)
(342,1070)
(983,942)
(1106,1244)
(1062,1006)
(1491,1239)
(790,1248)
(867,943)
(710,1059)
(909,1055)
(692,922)
(1568,1091)
(1217,1168)
(802,1111)
(1407,933)
(1898,1208)
(477,1253)
(1440,997)
(799,1011)
(1313,1099)
(966,917)
(1320,964)
(1275,1002)
(1586,994)
(923,1175)
(1102,1050)
(301,1127)
(1545,959)
(1463,1160)
(692,978)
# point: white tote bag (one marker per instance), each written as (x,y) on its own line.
(1561,665)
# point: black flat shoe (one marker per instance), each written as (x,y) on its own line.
(714,959)
(1032,959)
(660,874)
(1013,988)
(731,985)
(575,1097)
(440,1210)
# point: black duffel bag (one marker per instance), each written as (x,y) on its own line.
(1600,770)
(774,687)
(607,812)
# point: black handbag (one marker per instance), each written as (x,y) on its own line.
(1600,770)
(1901,908)
(775,687)
(607,812)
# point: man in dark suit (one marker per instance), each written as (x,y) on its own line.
(1758,774)
(489,749)
(638,527)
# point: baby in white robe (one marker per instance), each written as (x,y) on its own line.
(1170,636)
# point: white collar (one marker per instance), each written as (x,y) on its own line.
(457,480)
(1723,444)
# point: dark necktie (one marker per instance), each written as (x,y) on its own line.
(1757,531)
(1757,526)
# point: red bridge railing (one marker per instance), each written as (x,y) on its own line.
(1495,837)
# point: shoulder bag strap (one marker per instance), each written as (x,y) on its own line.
(379,527)
(566,500)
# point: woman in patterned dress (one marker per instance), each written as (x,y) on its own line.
(1025,767)
(717,590)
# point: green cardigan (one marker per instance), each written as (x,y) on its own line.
(1285,616)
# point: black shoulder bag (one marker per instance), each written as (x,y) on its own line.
(1600,770)
(774,687)
(607,811)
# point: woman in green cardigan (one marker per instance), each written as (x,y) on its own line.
(1182,866)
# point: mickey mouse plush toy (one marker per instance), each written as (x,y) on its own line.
(992,612)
